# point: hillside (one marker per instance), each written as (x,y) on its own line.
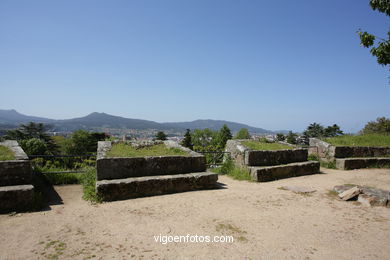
(98,121)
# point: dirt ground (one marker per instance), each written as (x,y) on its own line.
(265,222)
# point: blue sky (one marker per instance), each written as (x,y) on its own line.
(270,64)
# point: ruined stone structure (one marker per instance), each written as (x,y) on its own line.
(350,157)
(16,191)
(271,165)
(131,177)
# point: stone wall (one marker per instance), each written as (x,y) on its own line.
(16,191)
(18,171)
(244,156)
(329,152)
(120,168)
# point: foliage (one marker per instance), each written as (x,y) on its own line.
(33,131)
(82,142)
(257,145)
(88,181)
(243,133)
(6,154)
(161,136)
(126,150)
(317,130)
(312,157)
(223,135)
(280,137)
(382,49)
(213,154)
(329,165)
(34,146)
(291,138)
(187,141)
(381,126)
(237,173)
(360,140)
(205,137)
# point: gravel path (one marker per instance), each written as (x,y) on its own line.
(265,222)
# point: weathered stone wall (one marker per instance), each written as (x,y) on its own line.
(120,189)
(323,149)
(16,191)
(18,171)
(360,151)
(244,156)
(237,151)
(329,152)
(120,168)
(267,158)
(271,173)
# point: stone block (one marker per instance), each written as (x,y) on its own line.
(350,193)
(271,173)
(15,172)
(358,163)
(16,198)
(120,189)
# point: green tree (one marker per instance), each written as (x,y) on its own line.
(381,50)
(224,134)
(34,146)
(280,137)
(380,126)
(333,130)
(161,136)
(187,141)
(81,142)
(243,133)
(203,138)
(314,130)
(30,131)
(291,138)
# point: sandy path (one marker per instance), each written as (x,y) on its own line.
(266,222)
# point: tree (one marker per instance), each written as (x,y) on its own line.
(332,131)
(314,130)
(224,134)
(380,126)
(291,138)
(280,137)
(34,146)
(205,137)
(33,131)
(161,136)
(382,49)
(243,133)
(81,142)
(187,141)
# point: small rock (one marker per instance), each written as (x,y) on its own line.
(349,194)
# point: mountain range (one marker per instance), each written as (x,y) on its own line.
(98,121)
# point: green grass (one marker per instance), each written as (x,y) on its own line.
(6,153)
(88,180)
(237,173)
(126,150)
(256,145)
(360,140)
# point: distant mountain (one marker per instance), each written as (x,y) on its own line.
(12,117)
(103,120)
(98,121)
(216,125)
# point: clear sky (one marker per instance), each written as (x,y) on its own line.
(271,64)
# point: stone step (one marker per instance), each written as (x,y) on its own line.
(15,172)
(358,163)
(16,198)
(271,173)
(120,189)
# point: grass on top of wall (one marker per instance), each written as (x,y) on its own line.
(6,153)
(257,145)
(360,140)
(126,150)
